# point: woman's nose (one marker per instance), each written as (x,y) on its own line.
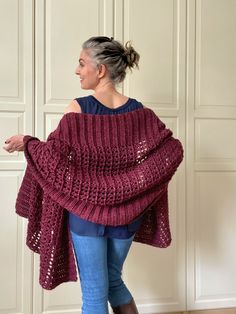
(77,70)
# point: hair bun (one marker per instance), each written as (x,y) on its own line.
(112,53)
(131,55)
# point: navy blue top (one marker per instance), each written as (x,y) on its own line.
(90,104)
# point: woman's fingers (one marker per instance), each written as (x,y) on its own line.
(8,148)
(14,143)
(8,140)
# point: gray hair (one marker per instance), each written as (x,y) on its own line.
(116,57)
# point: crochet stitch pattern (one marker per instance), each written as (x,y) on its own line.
(108,169)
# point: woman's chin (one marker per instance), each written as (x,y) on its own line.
(84,86)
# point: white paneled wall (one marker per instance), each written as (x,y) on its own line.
(187,76)
(211,149)
(16,108)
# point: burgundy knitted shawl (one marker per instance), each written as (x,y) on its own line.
(108,169)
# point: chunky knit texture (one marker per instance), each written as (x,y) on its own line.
(108,169)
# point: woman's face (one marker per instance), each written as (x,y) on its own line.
(88,71)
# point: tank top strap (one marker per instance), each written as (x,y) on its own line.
(84,103)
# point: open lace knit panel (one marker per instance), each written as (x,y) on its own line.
(108,169)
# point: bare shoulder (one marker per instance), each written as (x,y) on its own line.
(73,107)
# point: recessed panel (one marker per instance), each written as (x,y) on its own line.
(151,26)
(215,240)
(145,284)
(216,50)
(10,246)
(9,52)
(67,27)
(214,140)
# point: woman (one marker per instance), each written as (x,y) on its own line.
(101,249)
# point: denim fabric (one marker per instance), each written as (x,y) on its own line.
(87,228)
(100,261)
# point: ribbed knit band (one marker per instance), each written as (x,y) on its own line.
(108,130)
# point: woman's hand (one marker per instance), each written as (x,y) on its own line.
(14,143)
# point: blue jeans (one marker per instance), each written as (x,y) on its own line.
(100,261)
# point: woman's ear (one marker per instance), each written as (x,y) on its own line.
(102,70)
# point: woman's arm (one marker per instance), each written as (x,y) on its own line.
(15,143)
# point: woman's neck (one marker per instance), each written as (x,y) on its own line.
(107,94)
(105,87)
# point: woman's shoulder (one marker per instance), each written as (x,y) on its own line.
(73,106)
(138,103)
